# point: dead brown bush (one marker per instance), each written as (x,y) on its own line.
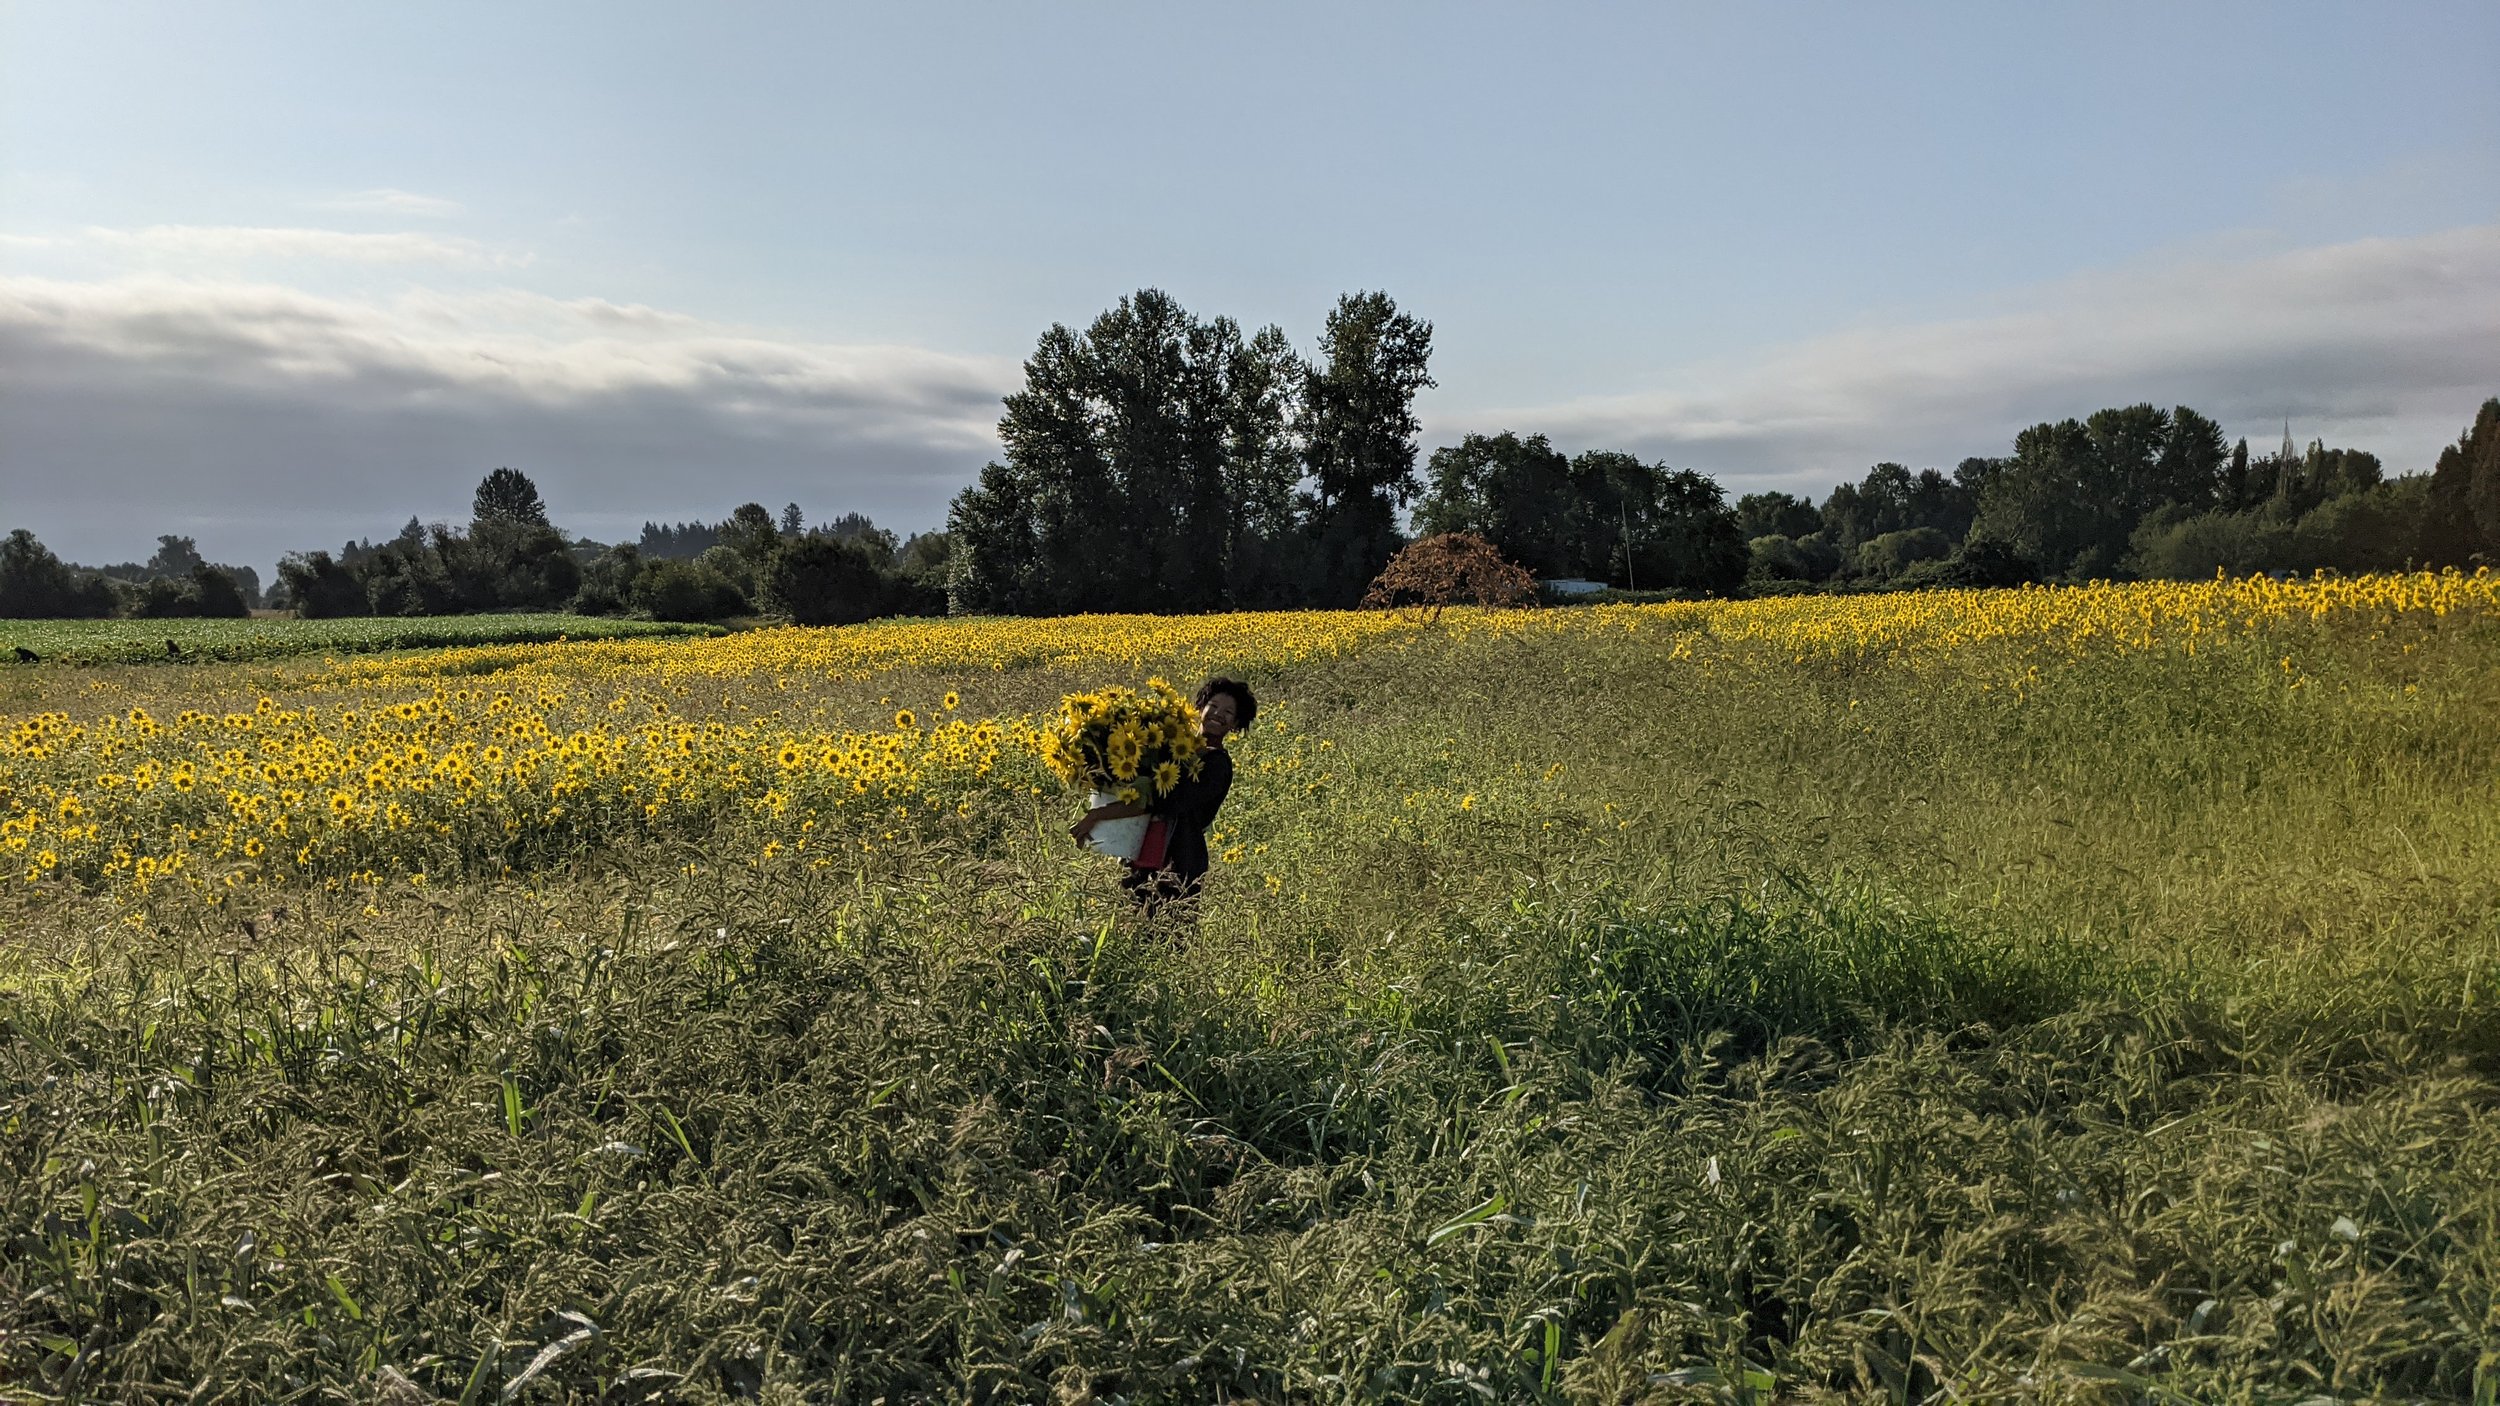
(1451,568)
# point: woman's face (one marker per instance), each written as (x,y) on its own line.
(1218,718)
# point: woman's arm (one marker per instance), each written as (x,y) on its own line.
(1115,811)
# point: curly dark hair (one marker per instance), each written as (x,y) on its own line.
(1245,703)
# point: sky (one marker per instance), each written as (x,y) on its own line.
(279,275)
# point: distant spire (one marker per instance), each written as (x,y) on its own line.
(2288,452)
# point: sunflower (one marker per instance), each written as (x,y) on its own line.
(951,701)
(904,718)
(1167,777)
(1127,750)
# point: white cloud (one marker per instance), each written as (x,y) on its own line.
(508,345)
(231,244)
(271,418)
(386,201)
(2383,344)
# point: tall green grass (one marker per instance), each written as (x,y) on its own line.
(1814,1033)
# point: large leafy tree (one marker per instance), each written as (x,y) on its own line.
(2045,502)
(1360,427)
(36,585)
(320,587)
(2075,491)
(511,555)
(1683,534)
(2125,466)
(1158,462)
(2482,486)
(1515,493)
(174,556)
(1604,514)
(1875,505)
(1112,496)
(2193,463)
(1268,558)
(2462,523)
(1891,499)
(994,566)
(751,532)
(1776,514)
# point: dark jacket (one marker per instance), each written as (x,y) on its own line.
(1189,810)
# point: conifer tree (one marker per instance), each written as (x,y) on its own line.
(507,495)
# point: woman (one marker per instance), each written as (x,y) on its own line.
(1225,706)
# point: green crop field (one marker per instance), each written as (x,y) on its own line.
(143,641)
(1993,996)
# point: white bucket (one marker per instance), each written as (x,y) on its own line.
(1118,838)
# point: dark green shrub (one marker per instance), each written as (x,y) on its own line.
(608,582)
(820,581)
(216,594)
(731,565)
(320,588)
(685,590)
(1778,558)
(1982,562)
(1884,557)
(202,592)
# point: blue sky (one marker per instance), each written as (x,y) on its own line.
(280,274)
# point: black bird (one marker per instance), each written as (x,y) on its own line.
(172,650)
(28,656)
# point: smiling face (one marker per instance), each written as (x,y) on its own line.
(1218,718)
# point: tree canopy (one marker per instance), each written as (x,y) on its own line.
(1158,462)
(507,495)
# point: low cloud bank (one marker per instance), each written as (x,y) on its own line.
(262,418)
(2381,344)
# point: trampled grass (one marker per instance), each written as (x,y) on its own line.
(143,641)
(2037,996)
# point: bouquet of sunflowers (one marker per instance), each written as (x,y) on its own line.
(1129,747)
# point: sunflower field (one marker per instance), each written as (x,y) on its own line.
(2040,995)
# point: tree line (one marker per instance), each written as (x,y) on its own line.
(2134,492)
(1155,461)
(173,583)
(510,557)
